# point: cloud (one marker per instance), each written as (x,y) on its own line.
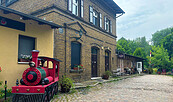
(143,17)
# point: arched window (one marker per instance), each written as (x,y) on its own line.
(75,54)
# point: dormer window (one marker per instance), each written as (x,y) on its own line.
(76,7)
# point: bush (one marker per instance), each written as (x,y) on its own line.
(66,84)
(168,73)
(155,71)
(106,75)
(150,70)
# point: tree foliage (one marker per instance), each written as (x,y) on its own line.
(168,44)
(124,44)
(160,57)
(139,52)
(159,35)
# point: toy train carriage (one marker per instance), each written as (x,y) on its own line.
(38,83)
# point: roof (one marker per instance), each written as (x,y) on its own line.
(121,53)
(29,17)
(48,58)
(114,6)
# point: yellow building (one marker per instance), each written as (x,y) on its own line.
(19,34)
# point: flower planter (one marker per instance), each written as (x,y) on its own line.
(76,68)
(24,60)
(105,77)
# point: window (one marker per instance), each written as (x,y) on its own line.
(95,17)
(76,7)
(108,25)
(75,54)
(9,2)
(26,45)
(0,2)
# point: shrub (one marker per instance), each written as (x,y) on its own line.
(155,71)
(106,75)
(66,84)
(168,73)
(150,70)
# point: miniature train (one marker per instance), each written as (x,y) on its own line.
(39,83)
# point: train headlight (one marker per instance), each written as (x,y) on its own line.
(32,64)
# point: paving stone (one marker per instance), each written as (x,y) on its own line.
(148,88)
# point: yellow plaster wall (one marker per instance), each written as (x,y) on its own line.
(11,70)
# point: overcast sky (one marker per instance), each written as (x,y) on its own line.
(144,17)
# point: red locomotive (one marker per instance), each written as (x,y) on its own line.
(39,82)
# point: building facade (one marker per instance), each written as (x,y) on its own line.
(88,33)
(19,35)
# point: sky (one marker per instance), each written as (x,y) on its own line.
(144,17)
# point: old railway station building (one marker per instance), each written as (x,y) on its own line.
(87,37)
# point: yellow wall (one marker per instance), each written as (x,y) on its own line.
(11,70)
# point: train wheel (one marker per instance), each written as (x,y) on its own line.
(45,98)
(49,95)
(53,91)
(56,88)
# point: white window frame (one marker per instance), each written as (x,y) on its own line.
(91,14)
(100,20)
(69,5)
(95,17)
(82,8)
(75,7)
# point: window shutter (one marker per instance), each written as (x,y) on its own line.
(82,8)
(69,5)
(110,26)
(91,14)
(100,20)
(105,23)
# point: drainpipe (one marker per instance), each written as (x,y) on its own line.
(54,32)
(65,27)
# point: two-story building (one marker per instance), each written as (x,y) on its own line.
(87,38)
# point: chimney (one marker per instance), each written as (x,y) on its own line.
(35,57)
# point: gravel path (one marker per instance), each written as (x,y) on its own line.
(148,88)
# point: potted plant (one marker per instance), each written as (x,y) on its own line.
(66,84)
(106,75)
(25,58)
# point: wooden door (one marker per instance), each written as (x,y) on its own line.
(94,62)
(106,60)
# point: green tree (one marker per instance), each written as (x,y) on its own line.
(139,52)
(160,58)
(119,48)
(159,35)
(124,44)
(168,44)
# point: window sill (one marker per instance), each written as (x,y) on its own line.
(23,63)
(76,71)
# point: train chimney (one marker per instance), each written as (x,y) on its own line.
(35,57)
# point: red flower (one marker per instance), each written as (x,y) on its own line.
(0,69)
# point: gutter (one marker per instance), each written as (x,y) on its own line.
(120,15)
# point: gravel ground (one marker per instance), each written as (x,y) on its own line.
(148,88)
